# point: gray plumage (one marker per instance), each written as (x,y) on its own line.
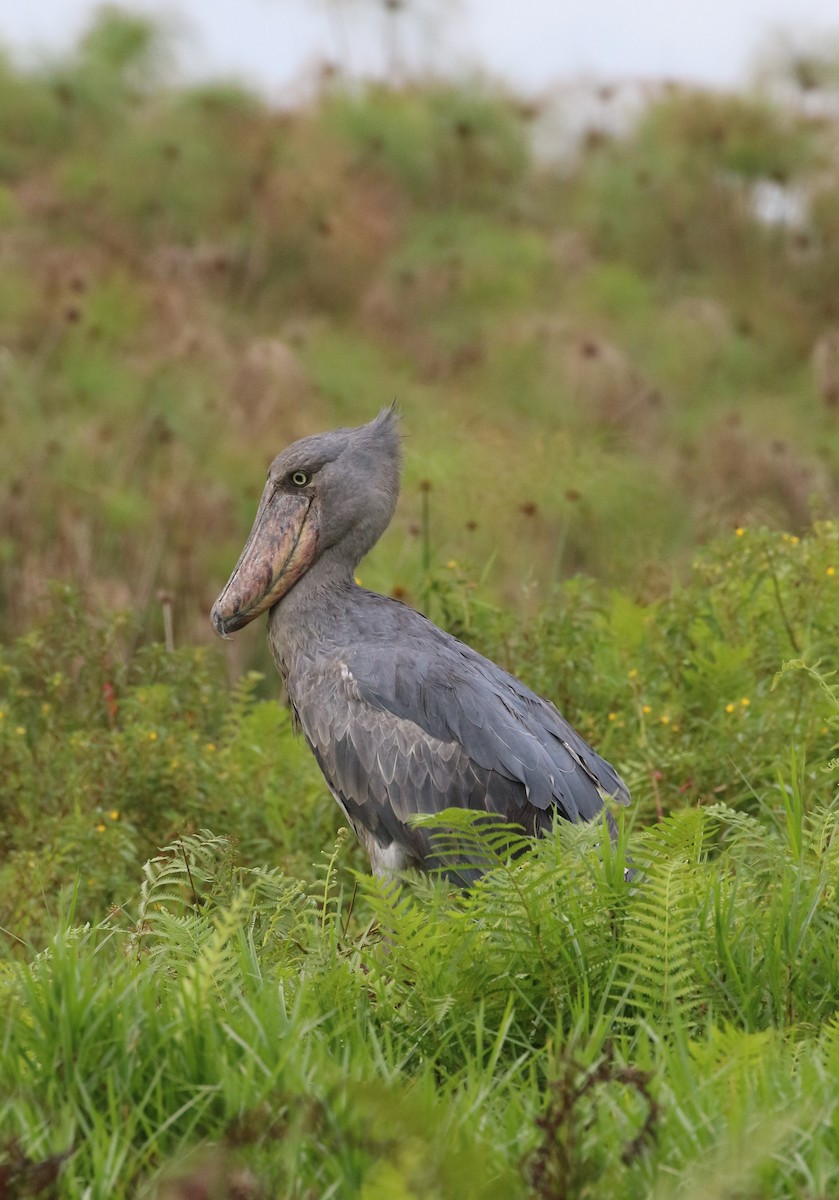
(401,717)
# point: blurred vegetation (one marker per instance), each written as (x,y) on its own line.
(603,358)
(619,374)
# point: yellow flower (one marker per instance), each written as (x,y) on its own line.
(830,571)
(745,702)
(210,747)
(646,709)
(20,731)
(152,736)
(613,716)
(452,564)
(633,674)
(665,720)
(795,540)
(114,814)
(100,828)
(729,708)
(358,581)
(739,531)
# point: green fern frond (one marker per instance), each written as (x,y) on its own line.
(327,896)
(241,701)
(395,910)
(657,965)
(467,843)
(182,877)
(822,835)
(679,836)
(215,964)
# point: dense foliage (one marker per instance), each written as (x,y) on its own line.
(254,1001)
(620,383)
(604,355)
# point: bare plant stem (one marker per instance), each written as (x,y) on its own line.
(780,602)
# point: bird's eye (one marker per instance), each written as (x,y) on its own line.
(300,478)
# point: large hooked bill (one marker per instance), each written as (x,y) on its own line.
(280,549)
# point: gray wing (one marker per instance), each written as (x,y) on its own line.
(427,727)
(456,694)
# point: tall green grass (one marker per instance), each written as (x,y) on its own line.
(555,1031)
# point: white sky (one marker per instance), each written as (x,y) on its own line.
(533,43)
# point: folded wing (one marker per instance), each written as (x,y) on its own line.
(435,725)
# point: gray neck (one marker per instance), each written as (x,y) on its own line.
(309,612)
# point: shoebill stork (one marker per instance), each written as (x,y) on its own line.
(401,717)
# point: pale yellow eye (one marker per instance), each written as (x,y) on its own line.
(300,479)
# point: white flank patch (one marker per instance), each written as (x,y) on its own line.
(387,860)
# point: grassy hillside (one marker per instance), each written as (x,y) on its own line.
(600,361)
(620,390)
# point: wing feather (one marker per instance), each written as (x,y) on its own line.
(421,729)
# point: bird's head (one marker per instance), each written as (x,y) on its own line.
(334,492)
